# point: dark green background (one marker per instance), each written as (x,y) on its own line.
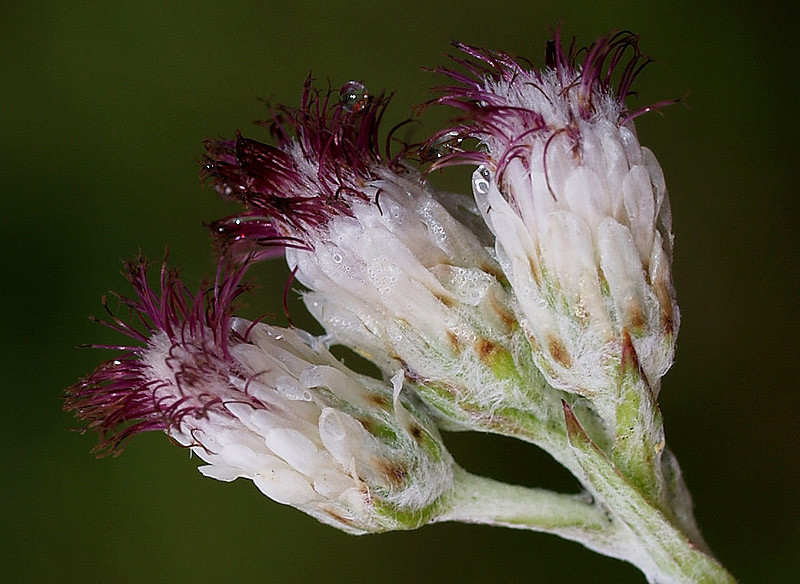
(103,107)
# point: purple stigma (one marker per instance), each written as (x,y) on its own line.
(490,89)
(327,151)
(124,395)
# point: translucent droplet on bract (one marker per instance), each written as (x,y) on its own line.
(480,181)
(353,96)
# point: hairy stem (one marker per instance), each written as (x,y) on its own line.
(575,517)
(623,522)
(660,549)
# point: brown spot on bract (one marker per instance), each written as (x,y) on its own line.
(667,317)
(368,424)
(636,318)
(602,277)
(534,271)
(379,400)
(629,356)
(492,271)
(505,316)
(486,349)
(446,300)
(454,342)
(667,322)
(338,517)
(413,377)
(394,471)
(577,154)
(558,351)
(416,432)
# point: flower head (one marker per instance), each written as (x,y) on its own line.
(578,208)
(391,267)
(269,404)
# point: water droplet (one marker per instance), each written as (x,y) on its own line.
(337,258)
(287,387)
(330,425)
(353,96)
(445,144)
(480,181)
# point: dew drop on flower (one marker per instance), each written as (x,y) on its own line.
(480,180)
(353,96)
(445,144)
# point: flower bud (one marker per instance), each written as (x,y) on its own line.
(579,209)
(391,267)
(269,404)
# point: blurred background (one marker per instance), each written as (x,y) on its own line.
(103,107)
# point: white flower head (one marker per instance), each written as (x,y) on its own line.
(578,208)
(391,268)
(269,404)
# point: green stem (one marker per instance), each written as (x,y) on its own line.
(636,529)
(642,511)
(662,551)
(574,517)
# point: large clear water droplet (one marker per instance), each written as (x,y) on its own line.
(480,181)
(353,96)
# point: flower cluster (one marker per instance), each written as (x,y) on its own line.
(269,404)
(541,307)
